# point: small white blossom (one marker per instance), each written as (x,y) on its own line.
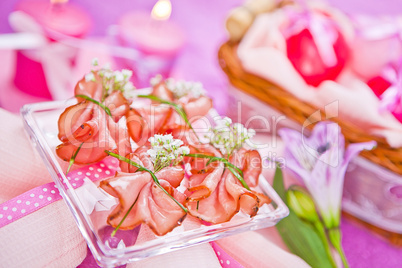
(127,73)
(108,75)
(113,80)
(223,122)
(185,150)
(128,86)
(166,151)
(107,66)
(187,169)
(152,153)
(118,76)
(251,132)
(155,80)
(228,137)
(90,77)
(183,88)
(129,90)
(95,62)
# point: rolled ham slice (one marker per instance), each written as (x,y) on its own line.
(93,89)
(97,134)
(73,118)
(204,179)
(173,175)
(117,104)
(146,121)
(195,107)
(249,161)
(228,199)
(150,205)
(227,195)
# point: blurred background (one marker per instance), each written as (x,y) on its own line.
(201,22)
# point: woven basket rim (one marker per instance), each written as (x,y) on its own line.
(278,98)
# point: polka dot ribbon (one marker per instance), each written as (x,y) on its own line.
(225,259)
(44,195)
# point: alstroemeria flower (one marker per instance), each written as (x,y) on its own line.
(321,162)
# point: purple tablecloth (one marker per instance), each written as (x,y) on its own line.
(202,22)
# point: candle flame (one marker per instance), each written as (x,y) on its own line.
(161,10)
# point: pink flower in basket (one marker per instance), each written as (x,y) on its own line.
(321,162)
(391,99)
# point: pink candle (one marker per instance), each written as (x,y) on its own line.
(157,39)
(153,37)
(63,18)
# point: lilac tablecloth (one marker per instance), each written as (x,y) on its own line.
(202,22)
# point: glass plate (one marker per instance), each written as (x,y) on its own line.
(40,121)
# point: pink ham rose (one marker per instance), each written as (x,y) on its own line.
(150,205)
(88,126)
(215,197)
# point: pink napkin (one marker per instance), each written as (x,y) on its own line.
(263,52)
(21,167)
(48,237)
(259,249)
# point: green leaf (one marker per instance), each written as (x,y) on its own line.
(299,236)
(72,159)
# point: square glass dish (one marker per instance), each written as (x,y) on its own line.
(40,121)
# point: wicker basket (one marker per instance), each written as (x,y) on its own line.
(293,108)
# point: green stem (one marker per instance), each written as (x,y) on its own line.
(237,172)
(155,179)
(216,158)
(107,110)
(175,106)
(321,232)
(72,159)
(240,178)
(124,218)
(335,238)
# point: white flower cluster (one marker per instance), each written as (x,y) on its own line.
(113,80)
(166,151)
(183,88)
(228,137)
(180,88)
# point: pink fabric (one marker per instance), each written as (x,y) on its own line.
(198,256)
(263,52)
(49,237)
(251,249)
(21,167)
(44,195)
